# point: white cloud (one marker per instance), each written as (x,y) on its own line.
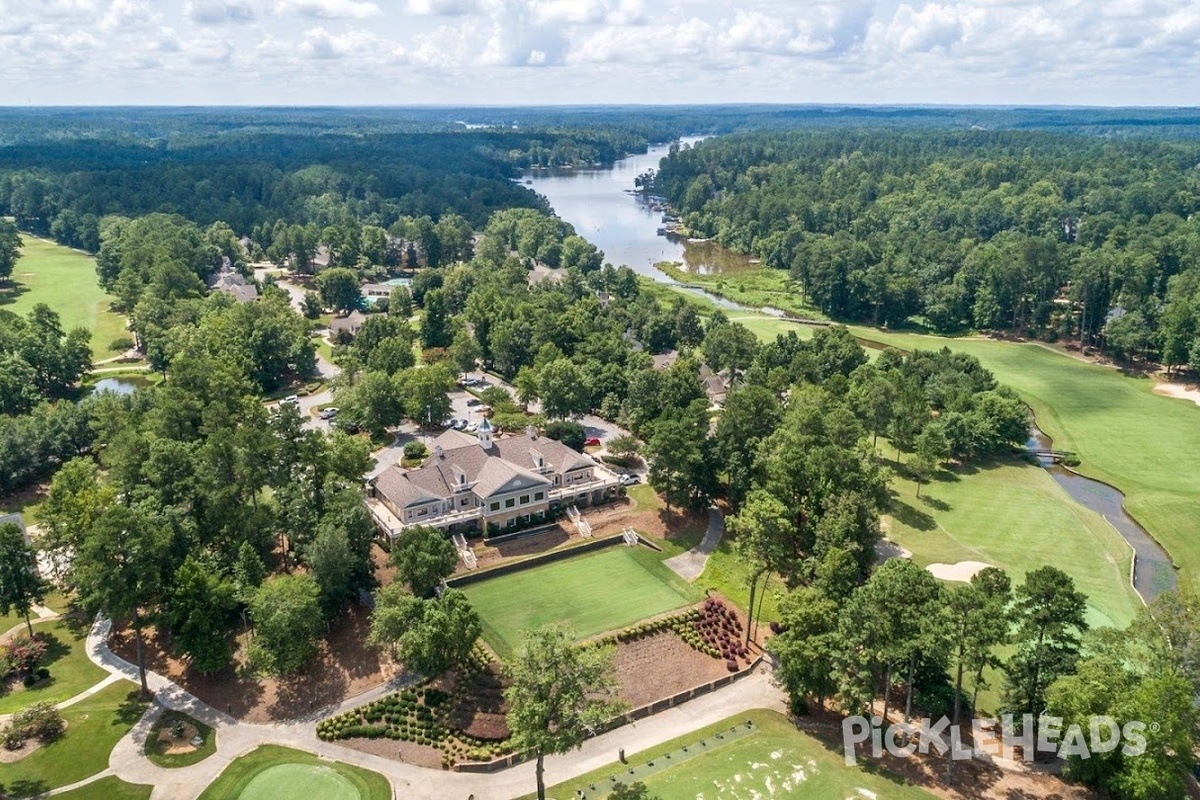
(217,12)
(332,9)
(321,45)
(443,8)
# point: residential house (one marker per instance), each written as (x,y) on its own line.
(487,483)
(231,282)
(346,326)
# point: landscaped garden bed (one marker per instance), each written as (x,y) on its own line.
(460,718)
(177,740)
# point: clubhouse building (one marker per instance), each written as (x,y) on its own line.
(486,483)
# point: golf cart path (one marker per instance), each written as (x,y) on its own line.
(128,762)
(689,565)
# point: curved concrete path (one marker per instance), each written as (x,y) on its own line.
(689,565)
(235,739)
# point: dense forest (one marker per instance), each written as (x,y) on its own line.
(1063,236)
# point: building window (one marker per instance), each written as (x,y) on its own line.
(422,512)
(464,501)
(524,499)
(495,506)
(510,502)
(539,495)
(511,523)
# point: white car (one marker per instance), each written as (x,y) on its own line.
(629,479)
(328,413)
(291,400)
(472,427)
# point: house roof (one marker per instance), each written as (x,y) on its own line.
(350,323)
(510,464)
(394,484)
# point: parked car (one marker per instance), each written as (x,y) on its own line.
(460,425)
(328,413)
(291,400)
(474,401)
(472,427)
(629,478)
(592,442)
(469,381)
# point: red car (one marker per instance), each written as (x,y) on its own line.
(592,442)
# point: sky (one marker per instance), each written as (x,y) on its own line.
(531,52)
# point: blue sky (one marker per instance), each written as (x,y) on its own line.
(396,52)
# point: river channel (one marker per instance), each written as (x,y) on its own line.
(603,209)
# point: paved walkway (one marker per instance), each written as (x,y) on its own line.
(689,565)
(411,782)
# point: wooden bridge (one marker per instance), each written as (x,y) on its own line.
(1051,455)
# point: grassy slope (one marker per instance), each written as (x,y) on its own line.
(1012,514)
(238,775)
(94,726)
(65,280)
(591,593)
(777,752)
(71,671)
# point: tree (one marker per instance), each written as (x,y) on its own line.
(311,306)
(21,585)
(806,643)
(674,454)
(332,563)
(558,693)
(464,350)
(423,557)
(572,434)
(286,612)
(562,389)
(400,303)
(1050,616)
(729,346)
(435,327)
(119,568)
(426,393)
(197,611)
(761,532)
(977,621)
(339,290)
(10,248)
(633,791)
(932,448)
(373,402)
(751,413)
(427,636)
(76,499)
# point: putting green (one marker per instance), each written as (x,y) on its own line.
(590,593)
(299,780)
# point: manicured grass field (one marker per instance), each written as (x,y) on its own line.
(65,280)
(109,788)
(1146,445)
(71,671)
(1012,514)
(269,772)
(590,594)
(94,726)
(776,761)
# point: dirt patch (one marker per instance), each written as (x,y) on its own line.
(167,744)
(659,666)
(1190,393)
(10,756)
(886,548)
(962,571)
(408,752)
(479,708)
(344,666)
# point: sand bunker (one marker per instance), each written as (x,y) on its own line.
(886,548)
(963,571)
(1181,392)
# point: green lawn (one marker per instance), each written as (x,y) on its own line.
(109,788)
(271,772)
(775,760)
(71,671)
(173,760)
(1146,445)
(590,594)
(1012,514)
(65,280)
(94,726)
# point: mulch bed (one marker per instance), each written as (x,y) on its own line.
(345,666)
(659,666)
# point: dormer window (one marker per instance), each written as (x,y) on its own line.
(460,480)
